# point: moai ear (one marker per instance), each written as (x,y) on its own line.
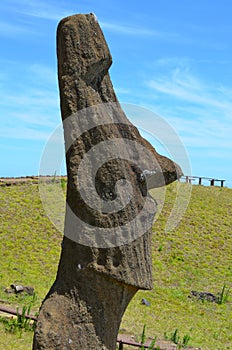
(106,251)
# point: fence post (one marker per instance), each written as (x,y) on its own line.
(120,345)
(212,182)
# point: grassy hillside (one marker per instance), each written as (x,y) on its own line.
(195,256)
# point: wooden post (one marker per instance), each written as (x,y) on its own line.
(212,182)
(200,180)
(120,345)
(222,183)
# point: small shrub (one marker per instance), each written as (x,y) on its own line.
(20,323)
(63,183)
(176,339)
(54,178)
(186,339)
(223,295)
(160,248)
(143,340)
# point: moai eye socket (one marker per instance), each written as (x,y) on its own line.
(142,177)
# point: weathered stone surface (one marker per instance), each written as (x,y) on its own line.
(98,272)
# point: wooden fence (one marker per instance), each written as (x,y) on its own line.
(120,341)
(211,180)
(131,343)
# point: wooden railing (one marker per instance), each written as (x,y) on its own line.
(211,180)
(131,343)
(120,340)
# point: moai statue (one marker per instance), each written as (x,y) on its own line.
(106,250)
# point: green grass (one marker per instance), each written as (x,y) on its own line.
(195,256)
(30,244)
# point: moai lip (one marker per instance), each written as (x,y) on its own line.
(106,253)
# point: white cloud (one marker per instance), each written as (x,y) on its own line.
(37,99)
(45,10)
(185,87)
(25,133)
(200,111)
(122,91)
(129,30)
(134,30)
(43,73)
(31,102)
(35,118)
(33,107)
(13,29)
(203,132)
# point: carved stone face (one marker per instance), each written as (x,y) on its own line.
(112,191)
(106,252)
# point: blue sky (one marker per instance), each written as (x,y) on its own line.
(171,57)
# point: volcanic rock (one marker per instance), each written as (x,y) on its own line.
(106,250)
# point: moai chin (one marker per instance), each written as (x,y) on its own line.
(106,250)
